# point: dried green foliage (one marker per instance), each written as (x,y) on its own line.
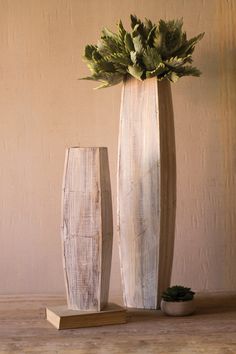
(149,50)
(178,293)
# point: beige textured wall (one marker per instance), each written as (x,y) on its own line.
(44,109)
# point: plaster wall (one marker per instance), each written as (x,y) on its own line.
(44,109)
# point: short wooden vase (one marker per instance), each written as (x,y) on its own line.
(87,232)
(87,228)
(146,191)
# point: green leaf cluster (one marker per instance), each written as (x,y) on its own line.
(149,50)
(178,293)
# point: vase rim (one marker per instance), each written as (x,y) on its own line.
(87,147)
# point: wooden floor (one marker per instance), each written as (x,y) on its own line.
(212,330)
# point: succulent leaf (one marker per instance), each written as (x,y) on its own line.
(133,57)
(148,24)
(135,71)
(157,72)
(134,21)
(151,36)
(138,44)
(121,31)
(173,76)
(151,58)
(129,45)
(88,52)
(178,293)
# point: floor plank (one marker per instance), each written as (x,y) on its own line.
(212,330)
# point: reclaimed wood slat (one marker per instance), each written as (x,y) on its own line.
(146,191)
(87,228)
(62,318)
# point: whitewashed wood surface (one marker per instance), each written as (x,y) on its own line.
(87,228)
(146,215)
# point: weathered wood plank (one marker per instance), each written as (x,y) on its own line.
(86,228)
(62,318)
(146,191)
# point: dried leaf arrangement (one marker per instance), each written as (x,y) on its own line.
(149,50)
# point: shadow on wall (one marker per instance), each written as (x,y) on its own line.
(227,89)
(208,215)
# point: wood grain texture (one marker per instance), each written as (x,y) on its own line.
(87,228)
(146,191)
(63,318)
(24,329)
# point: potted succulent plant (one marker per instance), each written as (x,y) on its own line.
(178,301)
(146,60)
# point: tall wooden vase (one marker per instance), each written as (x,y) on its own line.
(87,228)
(146,191)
